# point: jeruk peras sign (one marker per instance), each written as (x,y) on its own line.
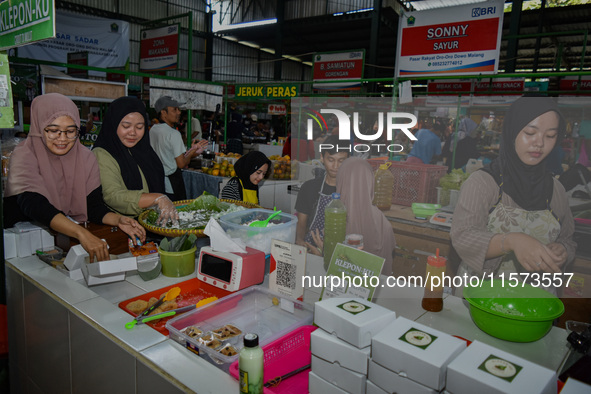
(25,21)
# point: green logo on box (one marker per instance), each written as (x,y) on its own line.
(500,368)
(418,338)
(353,307)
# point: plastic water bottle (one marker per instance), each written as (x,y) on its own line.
(335,226)
(383,185)
(250,365)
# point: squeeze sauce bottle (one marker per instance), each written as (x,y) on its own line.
(433,297)
(250,365)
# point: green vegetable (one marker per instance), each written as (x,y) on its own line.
(199,210)
(178,244)
(152,217)
(205,201)
(453,180)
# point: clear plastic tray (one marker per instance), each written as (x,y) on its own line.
(255,309)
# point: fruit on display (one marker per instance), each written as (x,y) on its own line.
(224,165)
(231,155)
(282,168)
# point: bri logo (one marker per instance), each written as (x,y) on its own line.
(481,11)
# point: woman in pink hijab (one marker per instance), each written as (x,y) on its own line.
(355,183)
(52,176)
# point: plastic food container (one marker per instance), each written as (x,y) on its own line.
(149,266)
(447,197)
(47,255)
(424,210)
(255,309)
(177,264)
(519,314)
(281,227)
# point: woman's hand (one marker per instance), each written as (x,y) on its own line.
(560,251)
(132,228)
(318,240)
(166,211)
(533,255)
(96,247)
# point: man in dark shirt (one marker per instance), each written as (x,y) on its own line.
(316,193)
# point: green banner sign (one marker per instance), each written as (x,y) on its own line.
(6,112)
(352,272)
(25,21)
(266,91)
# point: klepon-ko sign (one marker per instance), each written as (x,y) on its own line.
(459,40)
(355,120)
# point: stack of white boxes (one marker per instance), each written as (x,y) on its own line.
(408,357)
(24,239)
(341,346)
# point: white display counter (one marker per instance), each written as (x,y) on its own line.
(66,337)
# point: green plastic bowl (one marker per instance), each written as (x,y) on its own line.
(177,264)
(519,314)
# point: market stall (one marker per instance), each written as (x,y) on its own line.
(272,193)
(143,360)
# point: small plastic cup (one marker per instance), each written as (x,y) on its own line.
(354,241)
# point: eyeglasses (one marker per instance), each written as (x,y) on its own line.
(54,133)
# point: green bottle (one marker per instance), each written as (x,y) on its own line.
(335,226)
(250,364)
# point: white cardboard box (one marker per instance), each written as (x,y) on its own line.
(317,385)
(391,382)
(335,350)
(573,386)
(35,236)
(47,239)
(92,280)
(484,369)
(419,352)
(354,320)
(350,381)
(372,388)
(74,275)
(75,257)
(10,249)
(23,244)
(110,267)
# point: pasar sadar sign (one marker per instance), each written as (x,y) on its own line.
(459,40)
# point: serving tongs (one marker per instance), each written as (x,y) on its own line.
(170,295)
(177,311)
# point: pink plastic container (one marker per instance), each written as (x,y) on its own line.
(284,355)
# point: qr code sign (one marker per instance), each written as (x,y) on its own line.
(286,275)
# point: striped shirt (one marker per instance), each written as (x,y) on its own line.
(232,190)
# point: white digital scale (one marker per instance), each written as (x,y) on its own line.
(442,219)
